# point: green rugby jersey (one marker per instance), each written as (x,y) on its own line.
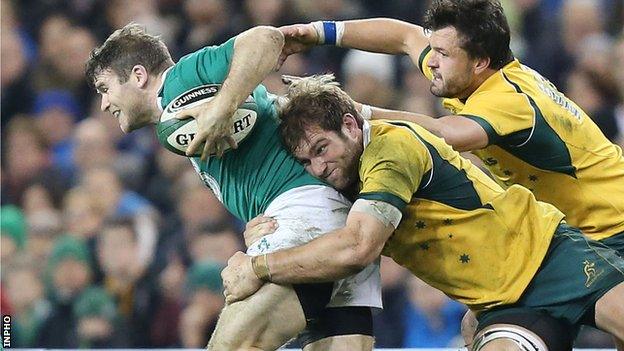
(247,179)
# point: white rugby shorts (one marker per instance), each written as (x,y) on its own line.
(305,213)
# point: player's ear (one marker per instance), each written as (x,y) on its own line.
(349,124)
(139,75)
(481,64)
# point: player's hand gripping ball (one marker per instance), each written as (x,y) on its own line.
(176,134)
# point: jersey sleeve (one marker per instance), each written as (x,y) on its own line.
(500,114)
(422,62)
(211,65)
(214,61)
(392,167)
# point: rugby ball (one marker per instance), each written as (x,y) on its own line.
(176,135)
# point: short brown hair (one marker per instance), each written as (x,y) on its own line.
(313,101)
(125,48)
(481,23)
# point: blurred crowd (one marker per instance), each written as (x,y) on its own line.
(109,240)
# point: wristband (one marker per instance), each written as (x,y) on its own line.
(329,32)
(260,266)
(366,112)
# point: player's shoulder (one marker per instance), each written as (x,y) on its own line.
(211,53)
(394,132)
(397,140)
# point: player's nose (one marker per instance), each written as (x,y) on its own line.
(104,104)
(432,62)
(318,167)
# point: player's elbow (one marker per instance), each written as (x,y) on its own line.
(462,133)
(453,137)
(267,36)
(449,136)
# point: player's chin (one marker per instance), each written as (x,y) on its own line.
(124,128)
(337,183)
(128,126)
(436,90)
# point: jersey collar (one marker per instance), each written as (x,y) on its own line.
(366,133)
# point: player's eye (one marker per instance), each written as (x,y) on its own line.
(321,149)
(441,53)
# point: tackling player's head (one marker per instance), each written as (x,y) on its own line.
(123,69)
(322,128)
(468,38)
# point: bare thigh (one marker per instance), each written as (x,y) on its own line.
(264,321)
(342,343)
(469,325)
(610,313)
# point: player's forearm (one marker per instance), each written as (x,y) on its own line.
(255,55)
(333,256)
(383,35)
(429,123)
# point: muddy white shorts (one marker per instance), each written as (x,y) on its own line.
(305,213)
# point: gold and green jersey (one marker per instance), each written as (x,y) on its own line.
(540,139)
(460,231)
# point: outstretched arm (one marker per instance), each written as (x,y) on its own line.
(381,35)
(462,133)
(256,52)
(385,35)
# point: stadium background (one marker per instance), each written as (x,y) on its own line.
(109,240)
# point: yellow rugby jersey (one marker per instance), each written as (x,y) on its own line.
(460,231)
(540,139)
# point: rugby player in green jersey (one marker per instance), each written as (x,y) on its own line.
(136,78)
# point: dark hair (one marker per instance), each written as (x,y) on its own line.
(482,23)
(125,48)
(313,101)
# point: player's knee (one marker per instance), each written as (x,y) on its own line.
(272,338)
(507,337)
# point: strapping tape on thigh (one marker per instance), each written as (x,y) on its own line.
(524,339)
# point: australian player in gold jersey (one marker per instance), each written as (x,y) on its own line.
(523,129)
(501,252)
